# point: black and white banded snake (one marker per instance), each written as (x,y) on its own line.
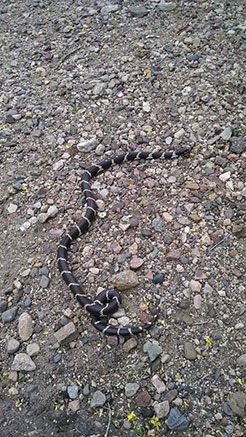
(107,302)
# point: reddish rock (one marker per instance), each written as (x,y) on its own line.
(136,263)
(173,255)
(149,275)
(143,399)
(144,317)
(200,274)
(158,384)
(115,247)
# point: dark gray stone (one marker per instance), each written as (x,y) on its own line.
(9,315)
(158,278)
(238,145)
(176,420)
(3,305)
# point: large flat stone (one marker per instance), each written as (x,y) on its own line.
(66,334)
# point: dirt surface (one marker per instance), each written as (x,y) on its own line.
(81,81)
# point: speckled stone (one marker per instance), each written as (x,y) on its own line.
(22,362)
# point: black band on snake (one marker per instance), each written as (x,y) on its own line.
(107,302)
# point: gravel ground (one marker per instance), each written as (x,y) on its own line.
(80,81)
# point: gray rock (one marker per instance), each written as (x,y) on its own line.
(43,271)
(87,145)
(237,402)
(125,280)
(52,211)
(207,288)
(9,315)
(73,391)
(162,409)
(44,282)
(66,334)
(42,217)
(157,224)
(176,420)
(13,346)
(109,8)
(167,6)
(189,351)
(98,89)
(241,361)
(25,327)
(22,362)
(57,358)
(131,389)
(98,399)
(33,349)
(238,145)
(86,390)
(3,305)
(153,350)
(139,12)
(226,134)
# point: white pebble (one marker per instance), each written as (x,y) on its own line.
(12,208)
(239,326)
(225,176)
(146,106)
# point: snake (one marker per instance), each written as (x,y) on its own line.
(107,302)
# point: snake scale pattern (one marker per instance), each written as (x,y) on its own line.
(107,302)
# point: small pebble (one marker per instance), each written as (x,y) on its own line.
(143,399)
(33,349)
(189,351)
(162,409)
(44,282)
(73,391)
(12,208)
(12,345)
(98,399)
(158,278)
(9,315)
(131,389)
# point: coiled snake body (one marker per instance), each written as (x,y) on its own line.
(107,302)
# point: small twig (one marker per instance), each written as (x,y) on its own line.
(109,420)
(67,56)
(200,323)
(216,245)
